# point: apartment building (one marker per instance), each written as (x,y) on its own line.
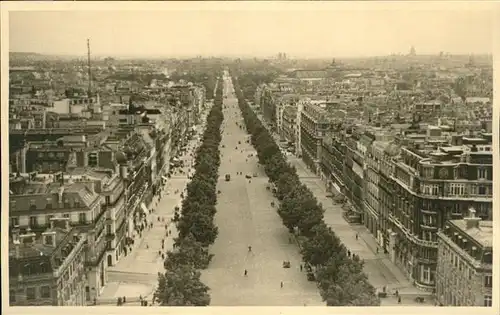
(432,186)
(465,261)
(314,125)
(35,200)
(48,268)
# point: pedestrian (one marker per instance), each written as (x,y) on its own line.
(163,246)
(169,232)
(301,267)
(377,250)
(246,272)
(357,236)
(397,292)
(147,246)
(159,253)
(158,219)
(249,248)
(124,300)
(399,300)
(349,253)
(163,256)
(281,284)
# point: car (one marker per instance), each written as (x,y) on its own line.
(248,176)
(254,174)
(228,177)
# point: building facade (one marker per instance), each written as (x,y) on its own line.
(464,265)
(48,268)
(432,186)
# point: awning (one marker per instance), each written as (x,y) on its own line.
(144,208)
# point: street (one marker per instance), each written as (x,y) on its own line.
(245,218)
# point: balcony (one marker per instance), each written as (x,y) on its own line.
(428,227)
(428,211)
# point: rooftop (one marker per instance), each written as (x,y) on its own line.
(37,247)
(483,234)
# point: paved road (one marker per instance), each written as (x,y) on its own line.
(246,218)
(136,274)
(378,267)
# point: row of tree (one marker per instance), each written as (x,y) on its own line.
(180,285)
(339,274)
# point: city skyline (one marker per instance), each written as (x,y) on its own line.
(216,33)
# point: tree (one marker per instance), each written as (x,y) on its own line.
(181,287)
(201,191)
(200,225)
(321,246)
(188,252)
(350,289)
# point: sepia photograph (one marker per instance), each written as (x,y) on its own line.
(249,155)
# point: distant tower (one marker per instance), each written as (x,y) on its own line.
(412,51)
(89,92)
(471,60)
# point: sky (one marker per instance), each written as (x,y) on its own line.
(316,32)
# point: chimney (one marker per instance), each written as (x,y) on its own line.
(61,193)
(17,246)
(472,221)
(66,223)
(15,234)
(49,238)
(28,238)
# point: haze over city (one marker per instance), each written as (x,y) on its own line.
(315,33)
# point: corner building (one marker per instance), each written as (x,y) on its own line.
(431,187)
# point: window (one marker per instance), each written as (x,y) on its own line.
(33,221)
(82,218)
(76,203)
(426,274)
(488,281)
(45,292)
(481,173)
(92,159)
(66,215)
(487,300)
(457,189)
(482,190)
(14,221)
(49,203)
(30,294)
(66,203)
(428,172)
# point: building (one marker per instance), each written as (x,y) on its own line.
(35,200)
(314,125)
(432,186)
(289,124)
(354,179)
(48,268)
(332,163)
(465,261)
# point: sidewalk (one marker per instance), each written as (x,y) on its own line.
(136,274)
(381,271)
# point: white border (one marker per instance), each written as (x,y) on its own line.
(229,6)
